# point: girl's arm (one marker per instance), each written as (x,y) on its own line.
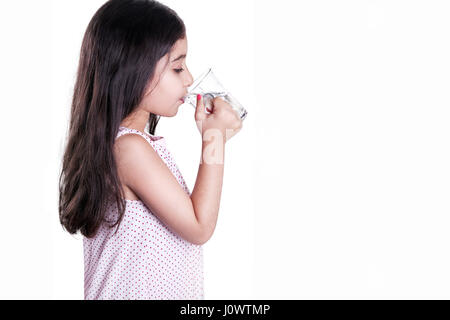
(144,172)
(208,187)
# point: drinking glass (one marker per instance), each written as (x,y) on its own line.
(209,87)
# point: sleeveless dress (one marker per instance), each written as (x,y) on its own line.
(144,259)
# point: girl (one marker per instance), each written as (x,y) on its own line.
(119,186)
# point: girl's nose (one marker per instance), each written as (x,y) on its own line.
(190,79)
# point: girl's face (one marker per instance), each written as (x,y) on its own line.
(174,80)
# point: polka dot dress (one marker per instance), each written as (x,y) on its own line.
(144,259)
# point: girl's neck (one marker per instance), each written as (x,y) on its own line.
(137,120)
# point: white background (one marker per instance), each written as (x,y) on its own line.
(338,185)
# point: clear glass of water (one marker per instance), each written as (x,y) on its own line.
(209,87)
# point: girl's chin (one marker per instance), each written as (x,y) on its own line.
(175,111)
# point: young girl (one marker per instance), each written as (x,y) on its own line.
(142,228)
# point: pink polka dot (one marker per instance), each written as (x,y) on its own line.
(115,265)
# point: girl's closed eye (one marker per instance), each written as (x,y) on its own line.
(178,70)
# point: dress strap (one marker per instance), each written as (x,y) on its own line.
(150,138)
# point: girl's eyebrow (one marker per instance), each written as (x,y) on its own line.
(180,57)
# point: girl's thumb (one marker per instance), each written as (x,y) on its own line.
(200,110)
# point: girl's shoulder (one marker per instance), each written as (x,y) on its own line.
(124,131)
(134,154)
(133,144)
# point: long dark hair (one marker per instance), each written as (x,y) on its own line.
(121,47)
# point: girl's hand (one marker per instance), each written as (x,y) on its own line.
(222,117)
